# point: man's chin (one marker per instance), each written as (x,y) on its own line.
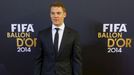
(57,24)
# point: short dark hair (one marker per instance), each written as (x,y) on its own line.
(58,4)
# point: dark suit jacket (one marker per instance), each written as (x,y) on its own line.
(65,62)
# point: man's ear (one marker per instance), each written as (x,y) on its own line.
(65,14)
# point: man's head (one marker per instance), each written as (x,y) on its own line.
(57,13)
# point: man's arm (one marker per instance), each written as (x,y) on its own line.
(77,64)
(38,57)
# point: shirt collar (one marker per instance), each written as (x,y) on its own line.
(61,27)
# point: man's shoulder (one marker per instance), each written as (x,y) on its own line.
(72,30)
(46,30)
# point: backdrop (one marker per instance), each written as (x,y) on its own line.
(105,27)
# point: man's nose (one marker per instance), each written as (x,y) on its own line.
(55,15)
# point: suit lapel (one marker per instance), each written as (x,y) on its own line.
(50,40)
(63,41)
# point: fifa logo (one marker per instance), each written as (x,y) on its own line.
(114,35)
(22,34)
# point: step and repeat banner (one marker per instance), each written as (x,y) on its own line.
(105,27)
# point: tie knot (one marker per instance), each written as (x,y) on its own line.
(57,29)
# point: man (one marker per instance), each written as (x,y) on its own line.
(58,48)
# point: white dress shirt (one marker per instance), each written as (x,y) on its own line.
(60,32)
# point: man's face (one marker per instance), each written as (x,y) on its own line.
(57,15)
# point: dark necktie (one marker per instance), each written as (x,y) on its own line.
(56,39)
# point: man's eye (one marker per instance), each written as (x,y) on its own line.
(52,13)
(58,13)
